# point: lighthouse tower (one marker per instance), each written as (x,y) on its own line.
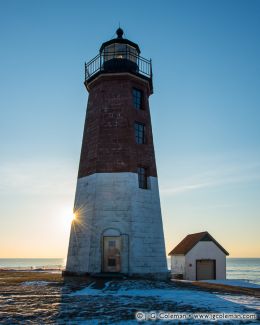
(118,224)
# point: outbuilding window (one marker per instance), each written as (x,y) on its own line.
(137,98)
(139,133)
(142,177)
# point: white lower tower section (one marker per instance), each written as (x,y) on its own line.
(112,204)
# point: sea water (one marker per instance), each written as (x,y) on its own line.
(244,268)
(237,268)
(32,263)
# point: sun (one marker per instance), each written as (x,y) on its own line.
(64,217)
(72,217)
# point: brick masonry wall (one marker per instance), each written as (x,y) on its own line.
(108,143)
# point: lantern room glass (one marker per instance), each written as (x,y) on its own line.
(119,51)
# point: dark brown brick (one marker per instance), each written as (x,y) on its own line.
(108,143)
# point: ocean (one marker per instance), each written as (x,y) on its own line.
(244,269)
(32,263)
(237,268)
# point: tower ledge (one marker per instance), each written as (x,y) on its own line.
(122,75)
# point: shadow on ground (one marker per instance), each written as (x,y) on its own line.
(44,298)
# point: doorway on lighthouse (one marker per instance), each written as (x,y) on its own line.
(111,254)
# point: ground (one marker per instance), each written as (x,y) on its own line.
(47,298)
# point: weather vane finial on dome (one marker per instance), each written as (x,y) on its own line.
(119,32)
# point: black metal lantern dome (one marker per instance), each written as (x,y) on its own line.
(120,40)
(120,54)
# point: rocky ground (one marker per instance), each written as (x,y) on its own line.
(47,298)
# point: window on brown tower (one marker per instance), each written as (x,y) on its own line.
(142,177)
(137,98)
(111,262)
(139,133)
(111,243)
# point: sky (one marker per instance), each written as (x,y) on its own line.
(205,115)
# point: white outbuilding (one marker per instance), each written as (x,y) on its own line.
(198,257)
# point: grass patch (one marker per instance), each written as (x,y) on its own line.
(17,277)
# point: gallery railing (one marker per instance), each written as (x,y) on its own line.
(101,62)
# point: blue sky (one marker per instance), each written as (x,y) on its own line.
(205,113)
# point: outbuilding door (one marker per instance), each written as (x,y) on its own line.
(111,254)
(205,269)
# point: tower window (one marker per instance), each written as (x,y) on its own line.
(137,98)
(111,262)
(111,243)
(142,177)
(139,133)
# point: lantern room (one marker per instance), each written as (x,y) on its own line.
(120,54)
(116,56)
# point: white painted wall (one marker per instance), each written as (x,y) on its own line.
(205,250)
(178,265)
(114,200)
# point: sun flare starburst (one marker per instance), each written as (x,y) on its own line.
(73,216)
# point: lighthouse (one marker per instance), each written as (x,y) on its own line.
(117,227)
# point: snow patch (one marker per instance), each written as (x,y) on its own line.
(88,291)
(248,301)
(35,283)
(196,298)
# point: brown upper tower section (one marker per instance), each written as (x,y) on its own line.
(118,133)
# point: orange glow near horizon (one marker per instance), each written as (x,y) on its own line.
(47,236)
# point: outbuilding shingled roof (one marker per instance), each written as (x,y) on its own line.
(191,240)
